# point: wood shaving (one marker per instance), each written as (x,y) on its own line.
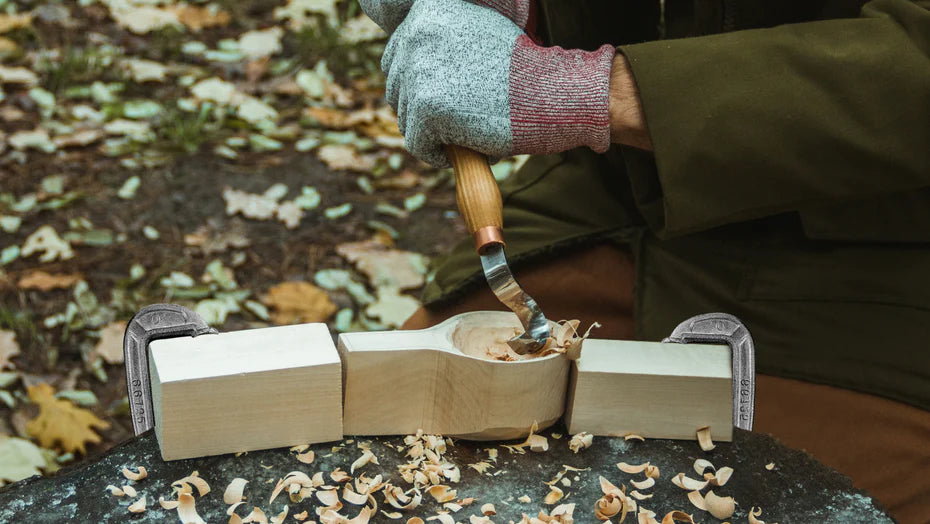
(720,507)
(677,516)
(115,491)
(366,458)
(721,476)
(488,509)
(232,509)
(130,475)
(479,520)
(697,500)
(396,497)
(640,496)
(688,483)
(184,485)
(415,520)
(633,436)
(701,465)
(302,516)
(233,493)
(443,518)
(480,467)
(130,491)
(755,512)
(536,443)
(612,503)
(770,466)
(340,476)
(525,499)
(643,484)
(555,494)
(187,510)
(167,504)
(646,467)
(442,493)
(257,516)
(704,439)
(137,506)
(306,458)
(580,441)
(279,518)
(296,479)
(392,514)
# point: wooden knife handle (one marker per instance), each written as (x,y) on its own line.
(478,196)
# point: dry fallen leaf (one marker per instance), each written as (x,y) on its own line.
(345,157)
(61,421)
(46,239)
(110,345)
(296,302)
(197,18)
(9,348)
(46,282)
(386,266)
(14,21)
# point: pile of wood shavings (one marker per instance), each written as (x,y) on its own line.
(564,338)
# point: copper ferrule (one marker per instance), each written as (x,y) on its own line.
(487,236)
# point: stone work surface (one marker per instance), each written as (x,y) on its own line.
(797,489)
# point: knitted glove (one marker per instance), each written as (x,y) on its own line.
(390,13)
(458,73)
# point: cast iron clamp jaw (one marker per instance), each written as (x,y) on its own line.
(160,321)
(721,328)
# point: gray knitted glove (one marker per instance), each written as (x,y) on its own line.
(390,13)
(458,73)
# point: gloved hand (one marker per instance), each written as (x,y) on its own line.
(459,73)
(390,13)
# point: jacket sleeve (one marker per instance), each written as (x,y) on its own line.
(758,122)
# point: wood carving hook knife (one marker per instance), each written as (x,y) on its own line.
(479,201)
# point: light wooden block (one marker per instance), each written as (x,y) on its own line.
(656,390)
(401,381)
(245,390)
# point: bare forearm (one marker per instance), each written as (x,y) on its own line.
(627,124)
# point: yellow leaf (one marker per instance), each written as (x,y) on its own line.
(294,302)
(46,282)
(16,21)
(60,420)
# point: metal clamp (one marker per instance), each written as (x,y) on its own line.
(153,322)
(721,328)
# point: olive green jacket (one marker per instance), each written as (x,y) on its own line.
(790,182)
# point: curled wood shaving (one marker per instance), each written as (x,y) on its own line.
(700,465)
(646,517)
(677,516)
(454,507)
(442,493)
(697,500)
(639,496)
(279,518)
(329,498)
(415,520)
(137,506)
(480,467)
(115,490)
(647,468)
(339,476)
(130,475)
(129,490)
(392,514)
(184,485)
(633,436)
(479,520)
(688,483)
(721,476)
(306,458)
(443,518)
(396,497)
(187,510)
(232,508)
(643,484)
(613,502)
(488,509)
(367,458)
(298,480)
(555,494)
(233,493)
(302,516)
(755,512)
(257,516)
(525,499)
(720,507)
(704,439)
(580,441)
(167,504)
(770,466)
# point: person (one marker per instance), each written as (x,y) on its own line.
(766,159)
